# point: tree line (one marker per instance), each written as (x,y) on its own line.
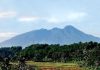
(87,54)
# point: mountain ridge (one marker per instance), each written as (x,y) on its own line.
(67,35)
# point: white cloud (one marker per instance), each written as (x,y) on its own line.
(53,20)
(69,17)
(27,18)
(7,34)
(7,14)
(77,16)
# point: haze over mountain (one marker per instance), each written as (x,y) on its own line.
(67,35)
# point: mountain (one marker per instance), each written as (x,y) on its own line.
(67,35)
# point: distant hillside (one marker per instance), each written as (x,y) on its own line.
(67,35)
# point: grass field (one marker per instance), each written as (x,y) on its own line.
(50,64)
(53,66)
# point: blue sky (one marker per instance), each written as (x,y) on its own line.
(20,16)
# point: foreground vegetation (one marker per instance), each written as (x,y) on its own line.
(80,55)
(52,65)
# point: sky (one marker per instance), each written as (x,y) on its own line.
(20,16)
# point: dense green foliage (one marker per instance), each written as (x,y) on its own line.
(87,54)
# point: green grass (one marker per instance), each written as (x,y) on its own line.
(50,64)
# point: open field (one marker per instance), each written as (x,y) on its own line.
(53,66)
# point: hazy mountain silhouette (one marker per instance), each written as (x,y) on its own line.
(67,35)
